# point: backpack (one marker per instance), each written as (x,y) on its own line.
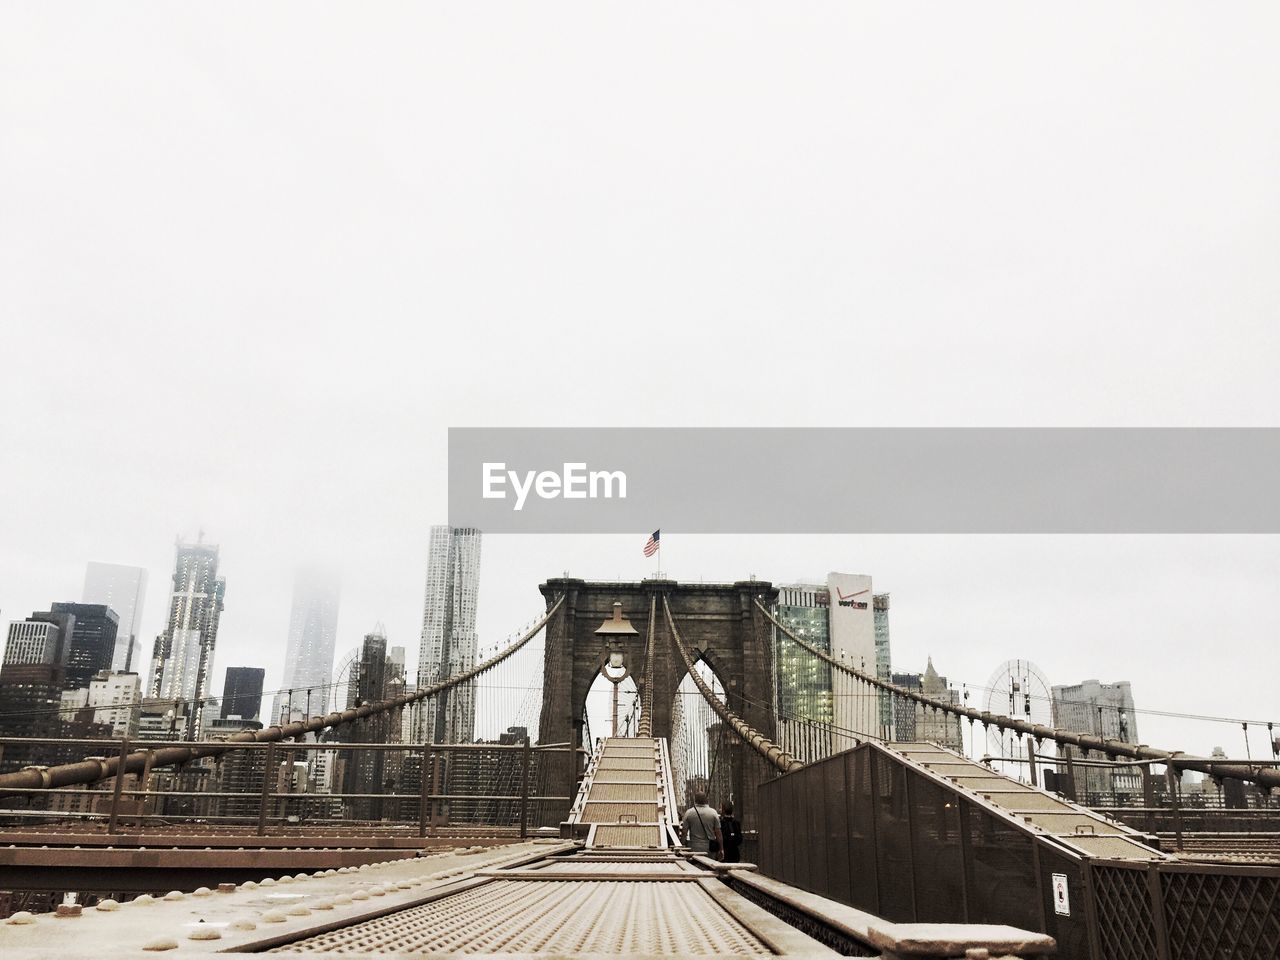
(731,830)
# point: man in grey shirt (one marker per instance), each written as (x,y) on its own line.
(701,825)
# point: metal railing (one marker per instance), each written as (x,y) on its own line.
(91,770)
(1184,911)
(270,788)
(1260,772)
(875,832)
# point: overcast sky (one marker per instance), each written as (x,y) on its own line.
(255,259)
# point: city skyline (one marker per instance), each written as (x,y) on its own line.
(300,298)
(910,654)
(314,426)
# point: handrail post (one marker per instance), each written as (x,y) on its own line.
(147,761)
(1175,788)
(575,737)
(119,785)
(1155,891)
(437,784)
(266,788)
(525,756)
(1148,796)
(424,791)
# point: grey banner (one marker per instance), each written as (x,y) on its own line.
(821,480)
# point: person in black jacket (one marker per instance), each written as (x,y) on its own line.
(731,831)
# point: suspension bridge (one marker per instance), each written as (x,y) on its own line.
(568,842)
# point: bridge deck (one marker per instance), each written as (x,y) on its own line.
(624,892)
(628,890)
(645,915)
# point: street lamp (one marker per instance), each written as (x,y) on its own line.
(614,664)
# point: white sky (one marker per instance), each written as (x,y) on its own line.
(256,258)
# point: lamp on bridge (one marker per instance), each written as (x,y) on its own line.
(614,664)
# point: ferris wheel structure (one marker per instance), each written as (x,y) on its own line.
(1021,690)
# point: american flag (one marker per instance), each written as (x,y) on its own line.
(651,545)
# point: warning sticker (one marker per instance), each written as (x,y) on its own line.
(1061,898)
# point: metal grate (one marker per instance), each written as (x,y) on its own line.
(623,776)
(642,792)
(616,866)
(509,916)
(619,812)
(627,763)
(624,835)
(1213,915)
(1112,848)
(1126,929)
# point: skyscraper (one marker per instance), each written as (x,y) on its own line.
(32,681)
(242,693)
(365,771)
(841,617)
(1106,710)
(122,589)
(915,722)
(313,631)
(93,641)
(115,699)
(449,640)
(40,638)
(182,658)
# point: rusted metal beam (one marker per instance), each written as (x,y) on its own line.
(403,839)
(113,870)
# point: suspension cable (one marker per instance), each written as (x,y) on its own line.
(646,696)
(93,770)
(1263,777)
(779,758)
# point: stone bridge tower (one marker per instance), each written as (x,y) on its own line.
(718,621)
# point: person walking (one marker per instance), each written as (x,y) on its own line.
(701,827)
(730,833)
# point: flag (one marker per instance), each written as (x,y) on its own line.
(651,545)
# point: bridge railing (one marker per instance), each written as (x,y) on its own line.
(269,788)
(365,716)
(867,829)
(1262,773)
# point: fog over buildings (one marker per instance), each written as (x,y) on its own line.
(284,255)
(122,589)
(313,635)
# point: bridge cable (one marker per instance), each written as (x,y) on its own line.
(646,695)
(1264,777)
(774,754)
(93,770)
